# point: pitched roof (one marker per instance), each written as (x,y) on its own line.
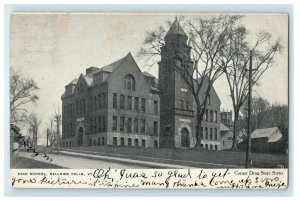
(273,134)
(88,78)
(223,127)
(148,74)
(108,68)
(176,29)
(112,67)
(73,82)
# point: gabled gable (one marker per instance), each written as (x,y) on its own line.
(121,68)
(125,62)
(83,83)
(213,93)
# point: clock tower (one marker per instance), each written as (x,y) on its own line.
(176,101)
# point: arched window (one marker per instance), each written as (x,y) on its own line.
(208,100)
(129,82)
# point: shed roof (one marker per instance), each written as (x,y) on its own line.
(273,134)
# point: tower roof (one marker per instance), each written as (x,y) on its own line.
(176,29)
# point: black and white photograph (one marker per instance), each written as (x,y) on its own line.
(119,92)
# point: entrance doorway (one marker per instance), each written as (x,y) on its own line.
(80,136)
(185,139)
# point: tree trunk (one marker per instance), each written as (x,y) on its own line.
(234,138)
(58,133)
(198,130)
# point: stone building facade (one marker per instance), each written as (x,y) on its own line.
(178,108)
(119,105)
(113,105)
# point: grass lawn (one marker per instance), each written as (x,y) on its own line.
(189,157)
(27,163)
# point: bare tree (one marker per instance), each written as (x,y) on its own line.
(203,64)
(278,115)
(57,117)
(237,54)
(53,132)
(34,124)
(259,111)
(22,91)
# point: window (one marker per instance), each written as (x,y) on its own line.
(122,101)
(155,107)
(67,110)
(211,134)
(99,124)
(143,126)
(91,104)
(202,134)
(206,115)
(155,144)
(129,142)
(104,100)
(211,116)
(129,103)
(115,123)
(136,104)
(103,124)
(95,125)
(122,141)
(155,128)
(208,100)
(115,141)
(136,125)
(216,147)
(128,125)
(91,125)
(215,116)
(216,134)
(136,142)
(129,82)
(80,107)
(95,103)
(115,100)
(206,133)
(143,105)
(121,124)
(77,107)
(181,104)
(187,105)
(83,103)
(99,101)
(143,143)
(71,129)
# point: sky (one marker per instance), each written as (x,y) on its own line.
(55,48)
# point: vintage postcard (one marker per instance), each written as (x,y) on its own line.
(168,101)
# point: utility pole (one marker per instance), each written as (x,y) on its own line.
(248,152)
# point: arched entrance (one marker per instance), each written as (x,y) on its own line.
(185,138)
(80,137)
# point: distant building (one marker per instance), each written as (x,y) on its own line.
(226,136)
(226,118)
(264,140)
(119,105)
